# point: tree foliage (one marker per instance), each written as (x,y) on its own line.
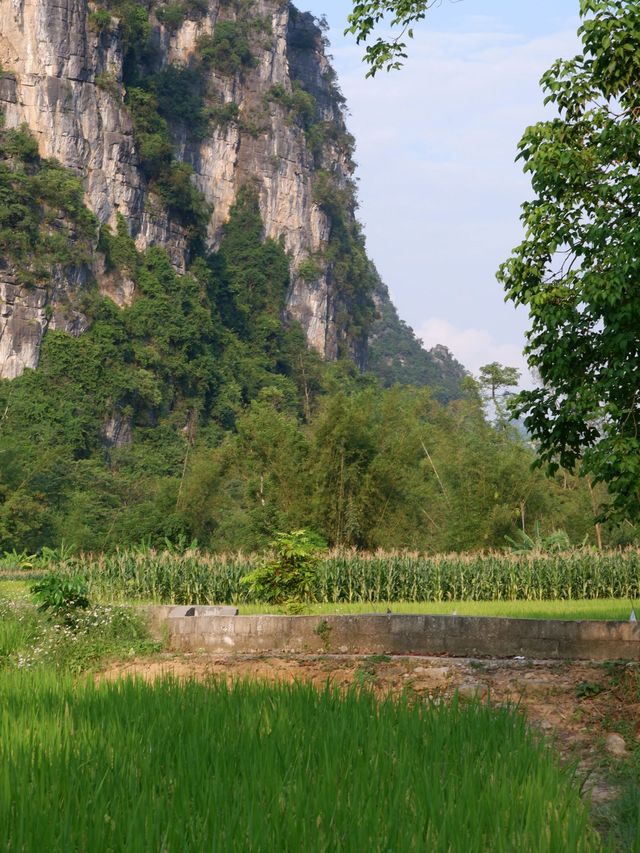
(367,16)
(578,268)
(495,376)
(43,220)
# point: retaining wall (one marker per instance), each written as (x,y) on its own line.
(463,636)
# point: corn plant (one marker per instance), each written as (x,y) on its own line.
(350,576)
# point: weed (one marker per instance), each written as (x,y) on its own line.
(376,659)
(588,689)
(323,630)
(365,676)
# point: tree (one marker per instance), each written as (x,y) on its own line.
(495,376)
(578,268)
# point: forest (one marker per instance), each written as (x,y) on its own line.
(196,413)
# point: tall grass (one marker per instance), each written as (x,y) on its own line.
(182,766)
(197,577)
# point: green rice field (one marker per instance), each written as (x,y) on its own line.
(596,609)
(576,609)
(186,766)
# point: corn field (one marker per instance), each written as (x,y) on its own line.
(200,578)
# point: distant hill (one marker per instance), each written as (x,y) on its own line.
(396,355)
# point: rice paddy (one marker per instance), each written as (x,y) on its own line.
(185,766)
(614,609)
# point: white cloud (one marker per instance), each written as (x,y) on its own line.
(474,347)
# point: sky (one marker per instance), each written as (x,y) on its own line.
(439,189)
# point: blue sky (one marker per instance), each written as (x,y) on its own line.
(439,191)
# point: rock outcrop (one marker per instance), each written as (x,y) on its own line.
(27,311)
(65,82)
(274,122)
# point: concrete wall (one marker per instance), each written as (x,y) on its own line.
(463,636)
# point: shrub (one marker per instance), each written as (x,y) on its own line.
(289,577)
(135,27)
(100,20)
(309,270)
(61,594)
(300,104)
(119,249)
(227,50)
(21,144)
(108,83)
(179,98)
(197,7)
(172,15)
(225,114)
(182,197)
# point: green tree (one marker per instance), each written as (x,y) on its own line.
(495,376)
(399,15)
(577,270)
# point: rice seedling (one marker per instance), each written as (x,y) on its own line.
(598,609)
(18,628)
(185,766)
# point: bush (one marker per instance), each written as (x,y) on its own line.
(100,20)
(61,594)
(289,577)
(108,83)
(21,144)
(172,15)
(225,114)
(309,270)
(227,49)
(300,104)
(182,197)
(179,98)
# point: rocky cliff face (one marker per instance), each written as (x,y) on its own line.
(26,312)
(64,78)
(263,110)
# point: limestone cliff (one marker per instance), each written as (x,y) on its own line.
(59,64)
(268,113)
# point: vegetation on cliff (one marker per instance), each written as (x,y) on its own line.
(43,219)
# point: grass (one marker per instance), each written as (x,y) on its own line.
(185,766)
(30,639)
(14,589)
(599,609)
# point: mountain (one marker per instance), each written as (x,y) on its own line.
(166,113)
(396,355)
